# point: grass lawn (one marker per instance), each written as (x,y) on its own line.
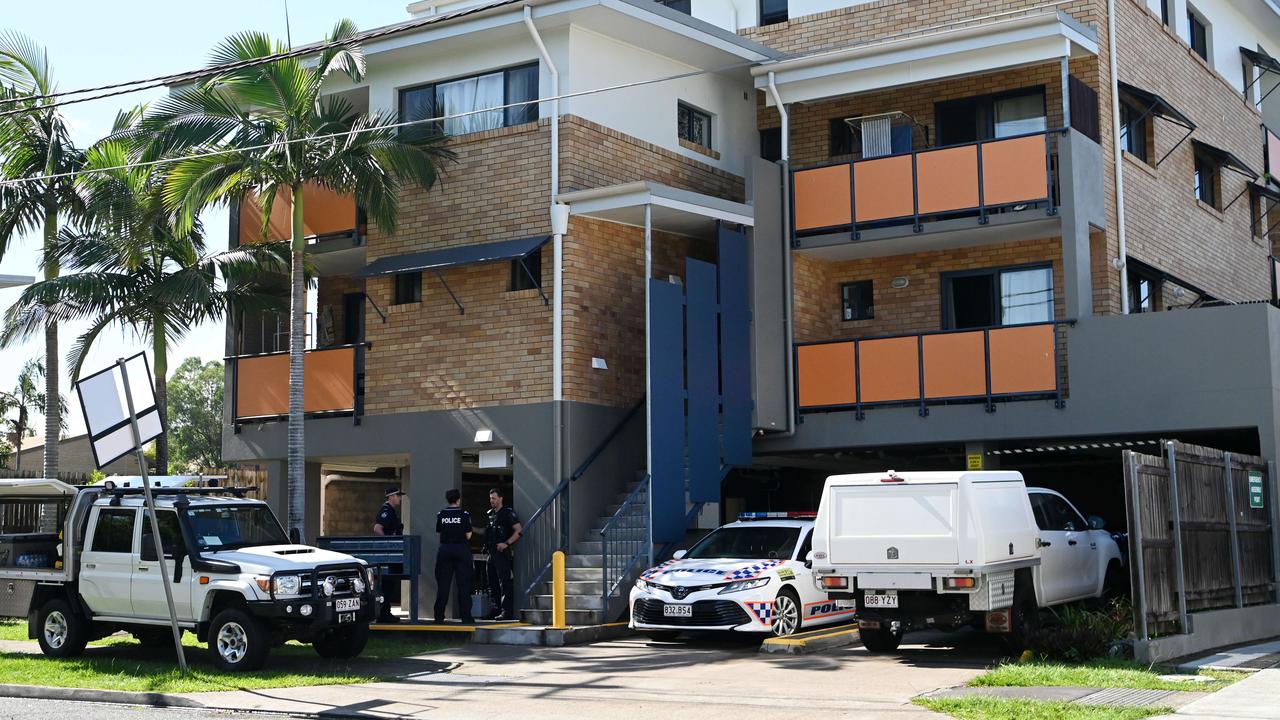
(1095,673)
(153,671)
(978,708)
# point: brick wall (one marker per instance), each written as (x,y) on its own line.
(1166,225)
(428,356)
(915,308)
(351,504)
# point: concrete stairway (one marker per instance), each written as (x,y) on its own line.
(584,573)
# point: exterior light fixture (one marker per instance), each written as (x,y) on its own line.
(484,435)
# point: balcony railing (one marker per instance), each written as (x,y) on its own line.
(333,380)
(908,188)
(989,364)
(325,215)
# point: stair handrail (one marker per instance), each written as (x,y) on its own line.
(608,589)
(529,528)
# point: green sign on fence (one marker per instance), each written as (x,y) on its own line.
(1255,489)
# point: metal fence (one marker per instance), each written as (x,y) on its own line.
(625,540)
(1200,534)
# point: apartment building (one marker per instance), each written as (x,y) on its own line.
(756,242)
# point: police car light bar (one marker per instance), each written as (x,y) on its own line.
(777,515)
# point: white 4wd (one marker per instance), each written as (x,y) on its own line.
(953,549)
(83,565)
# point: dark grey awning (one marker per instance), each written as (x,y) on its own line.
(1224,158)
(1157,105)
(1261,59)
(453,257)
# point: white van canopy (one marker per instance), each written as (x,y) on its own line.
(35,487)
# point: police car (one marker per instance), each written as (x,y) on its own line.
(747,576)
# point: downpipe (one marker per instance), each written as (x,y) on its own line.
(1121,261)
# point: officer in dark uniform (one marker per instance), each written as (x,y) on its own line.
(502,532)
(453,559)
(388,523)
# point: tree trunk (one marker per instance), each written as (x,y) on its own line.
(297,347)
(160,352)
(52,397)
(22,432)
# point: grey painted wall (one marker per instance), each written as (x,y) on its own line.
(769,333)
(1082,207)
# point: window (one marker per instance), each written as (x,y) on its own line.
(1166,12)
(771,144)
(773,11)
(1198,34)
(693,125)
(746,543)
(1206,180)
(988,298)
(114,531)
(1055,514)
(353,318)
(235,526)
(170,536)
(805,546)
(408,288)
(841,139)
(684,6)
(526,273)
(991,116)
(464,95)
(1133,131)
(1141,299)
(856,301)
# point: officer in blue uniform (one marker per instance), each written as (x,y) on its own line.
(388,523)
(502,531)
(453,559)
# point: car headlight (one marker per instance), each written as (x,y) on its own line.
(330,584)
(745,585)
(286,585)
(642,584)
(371,575)
(358,584)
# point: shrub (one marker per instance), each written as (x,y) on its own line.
(1082,634)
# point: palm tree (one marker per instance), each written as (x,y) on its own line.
(265,131)
(36,150)
(26,399)
(138,270)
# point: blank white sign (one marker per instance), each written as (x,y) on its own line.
(106,410)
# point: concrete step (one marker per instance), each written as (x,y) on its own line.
(573,617)
(577,587)
(596,561)
(571,602)
(583,574)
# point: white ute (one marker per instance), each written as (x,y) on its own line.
(79,563)
(954,549)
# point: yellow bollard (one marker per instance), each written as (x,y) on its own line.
(557,590)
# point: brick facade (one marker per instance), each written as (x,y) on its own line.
(428,356)
(914,308)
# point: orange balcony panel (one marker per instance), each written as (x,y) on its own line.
(1022,360)
(889,369)
(1014,170)
(827,374)
(262,383)
(947,180)
(324,212)
(954,365)
(822,197)
(882,188)
(1273,153)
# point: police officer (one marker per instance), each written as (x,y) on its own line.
(453,559)
(502,532)
(388,523)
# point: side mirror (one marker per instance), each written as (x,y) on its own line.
(808,560)
(678,555)
(1096,523)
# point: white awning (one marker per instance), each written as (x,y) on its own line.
(672,210)
(956,52)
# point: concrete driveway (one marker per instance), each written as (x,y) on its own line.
(700,678)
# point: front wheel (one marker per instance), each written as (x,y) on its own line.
(786,618)
(238,641)
(880,639)
(63,632)
(342,643)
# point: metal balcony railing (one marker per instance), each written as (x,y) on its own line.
(988,364)
(910,188)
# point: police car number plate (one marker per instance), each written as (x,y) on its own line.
(670,610)
(346,604)
(882,599)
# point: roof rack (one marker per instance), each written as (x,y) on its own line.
(119,492)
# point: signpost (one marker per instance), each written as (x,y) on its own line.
(122,416)
(1256,500)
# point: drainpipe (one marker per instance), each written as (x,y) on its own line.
(789,280)
(559,226)
(1121,261)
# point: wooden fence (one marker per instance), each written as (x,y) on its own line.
(1196,540)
